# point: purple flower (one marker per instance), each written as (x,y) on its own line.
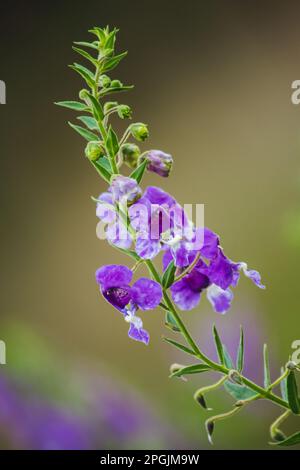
(159,162)
(215,273)
(114,281)
(125,189)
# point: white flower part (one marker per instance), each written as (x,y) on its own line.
(136,321)
(219,298)
(169,240)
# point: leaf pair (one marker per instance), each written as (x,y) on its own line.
(223,354)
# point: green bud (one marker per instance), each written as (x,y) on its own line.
(104,81)
(130,154)
(109,105)
(94,150)
(83,94)
(116,84)
(139,131)
(124,111)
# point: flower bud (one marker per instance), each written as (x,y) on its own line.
(124,111)
(83,94)
(94,150)
(104,81)
(116,84)
(109,105)
(159,162)
(130,154)
(139,131)
(125,190)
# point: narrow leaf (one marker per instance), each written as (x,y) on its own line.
(86,55)
(92,45)
(171,323)
(108,91)
(86,74)
(239,392)
(76,105)
(138,173)
(283,387)
(90,122)
(88,135)
(292,392)
(180,346)
(112,62)
(193,369)
(97,108)
(227,359)
(267,376)
(292,440)
(168,276)
(218,344)
(102,171)
(240,353)
(112,143)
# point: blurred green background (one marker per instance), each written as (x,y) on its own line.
(213,80)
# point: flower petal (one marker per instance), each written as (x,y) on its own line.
(220,299)
(117,235)
(146,248)
(138,334)
(253,275)
(184,296)
(125,189)
(113,275)
(146,293)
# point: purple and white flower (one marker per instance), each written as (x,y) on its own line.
(114,281)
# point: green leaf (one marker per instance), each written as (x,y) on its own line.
(239,392)
(292,440)
(112,62)
(86,55)
(138,173)
(180,346)
(130,253)
(97,108)
(111,39)
(171,323)
(90,122)
(76,105)
(86,74)
(227,359)
(169,275)
(283,386)
(193,369)
(267,376)
(218,344)
(106,175)
(112,143)
(105,163)
(88,135)
(240,353)
(92,45)
(99,33)
(292,393)
(117,89)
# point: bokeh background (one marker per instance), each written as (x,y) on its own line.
(213,80)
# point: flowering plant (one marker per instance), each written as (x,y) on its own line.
(143,224)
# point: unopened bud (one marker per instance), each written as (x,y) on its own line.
(130,154)
(139,131)
(210,425)
(199,398)
(104,81)
(109,105)
(116,84)
(159,162)
(83,94)
(94,150)
(124,111)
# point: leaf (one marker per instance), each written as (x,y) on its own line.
(169,274)
(92,45)
(112,143)
(218,344)
(85,73)
(180,346)
(111,39)
(106,175)
(292,440)
(171,323)
(86,55)
(239,392)
(194,369)
(227,359)
(99,33)
(105,163)
(138,173)
(283,387)
(96,106)
(130,253)
(76,105)
(267,376)
(112,62)
(107,91)
(88,135)
(240,353)
(292,393)
(90,122)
